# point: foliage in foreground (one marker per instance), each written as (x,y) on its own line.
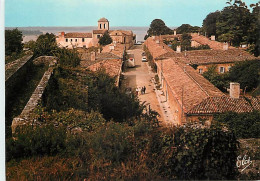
(244,125)
(122,151)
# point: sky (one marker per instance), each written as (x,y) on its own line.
(23,13)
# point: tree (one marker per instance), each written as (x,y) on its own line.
(246,73)
(244,125)
(105,39)
(45,45)
(158,27)
(233,23)
(220,81)
(186,28)
(209,23)
(13,41)
(254,30)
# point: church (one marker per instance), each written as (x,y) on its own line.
(86,40)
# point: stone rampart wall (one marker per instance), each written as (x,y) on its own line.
(15,71)
(25,117)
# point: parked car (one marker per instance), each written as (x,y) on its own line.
(144,59)
(131,61)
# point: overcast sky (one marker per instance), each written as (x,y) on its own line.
(20,13)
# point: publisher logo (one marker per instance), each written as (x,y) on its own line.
(243,162)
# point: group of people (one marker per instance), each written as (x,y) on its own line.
(141,90)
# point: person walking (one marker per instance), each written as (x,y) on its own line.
(144,89)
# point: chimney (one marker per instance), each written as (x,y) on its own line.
(198,33)
(153,37)
(62,33)
(157,41)
(234,90)
(213,37)
(99,50)
(175,32)
(93,56)
(225,46)
(178,49)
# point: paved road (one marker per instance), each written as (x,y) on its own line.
(141,76)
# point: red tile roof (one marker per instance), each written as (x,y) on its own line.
(213,105)
(112,66)
(78,35)
(103,20)
(215,45)
(201,57)
(186,84)
(99,31)
(118,49)
(155,48)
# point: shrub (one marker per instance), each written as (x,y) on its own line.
(46,140)
(244,125)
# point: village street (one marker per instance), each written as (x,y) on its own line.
(141,75)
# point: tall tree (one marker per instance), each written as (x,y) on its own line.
(105,39)
(186,28)
(209,23)
(45,45)
(233,23)
(13,41)
(158,27)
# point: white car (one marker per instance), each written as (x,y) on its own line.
(144,59)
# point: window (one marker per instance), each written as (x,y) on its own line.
(104,26)
(67,40)
(76,40)
(116,33)
(71,40)
(229,67)
(100,26)
(83,39)
(200,71)
(222,69)
(98,36)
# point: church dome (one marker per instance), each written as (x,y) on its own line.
(102,20)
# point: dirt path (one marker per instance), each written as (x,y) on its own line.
(141,76)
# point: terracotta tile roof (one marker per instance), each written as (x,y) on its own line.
(112,66)
(118,49)
(99,56)
(157,49)
(78,35)
(213,105)
(215,45)
(124,32)
(186,84)
(103,20)
(201,57)
(99,31)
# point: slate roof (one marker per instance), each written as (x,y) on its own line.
(78,35)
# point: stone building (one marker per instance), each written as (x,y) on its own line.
(189,94)
(86,40)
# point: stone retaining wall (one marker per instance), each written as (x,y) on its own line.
(15,71)
(24,118)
